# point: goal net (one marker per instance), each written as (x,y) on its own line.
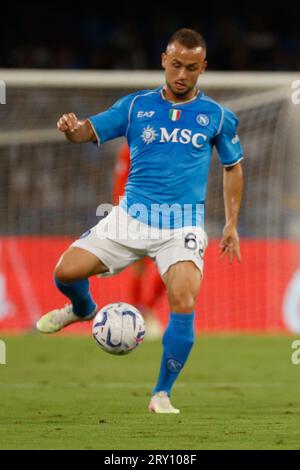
(50,190)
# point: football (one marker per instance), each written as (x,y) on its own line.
(119,328)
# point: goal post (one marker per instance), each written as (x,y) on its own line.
(50,190)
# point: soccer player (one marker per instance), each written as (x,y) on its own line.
(171,132)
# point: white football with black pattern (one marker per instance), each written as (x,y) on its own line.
(119,328)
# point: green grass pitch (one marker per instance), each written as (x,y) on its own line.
(63,392)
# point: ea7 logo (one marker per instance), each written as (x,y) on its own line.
(183,136)
(147,114)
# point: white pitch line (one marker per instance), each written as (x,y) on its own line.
(202,385)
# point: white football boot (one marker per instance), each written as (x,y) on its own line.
(160,403)
(58,319)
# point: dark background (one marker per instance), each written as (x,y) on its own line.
(114,35)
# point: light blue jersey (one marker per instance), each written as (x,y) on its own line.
(171,148)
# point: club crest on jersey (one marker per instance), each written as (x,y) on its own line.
(174,114)
(203,120)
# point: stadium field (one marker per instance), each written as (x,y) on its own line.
(63,392)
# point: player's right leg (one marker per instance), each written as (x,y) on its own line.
(71,278)
(99,251)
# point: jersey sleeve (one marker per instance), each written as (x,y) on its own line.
(113,122)
(228,142)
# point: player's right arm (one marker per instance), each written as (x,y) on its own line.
(75,130)
(107,125)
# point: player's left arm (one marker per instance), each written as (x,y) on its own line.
(231,153)
(233,183)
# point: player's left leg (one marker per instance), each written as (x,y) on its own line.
(182,281)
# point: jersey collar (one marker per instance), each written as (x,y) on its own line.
(175,103)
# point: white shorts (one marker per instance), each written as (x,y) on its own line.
(118,240)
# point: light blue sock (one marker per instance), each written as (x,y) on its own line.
(79,294)
(178,341)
